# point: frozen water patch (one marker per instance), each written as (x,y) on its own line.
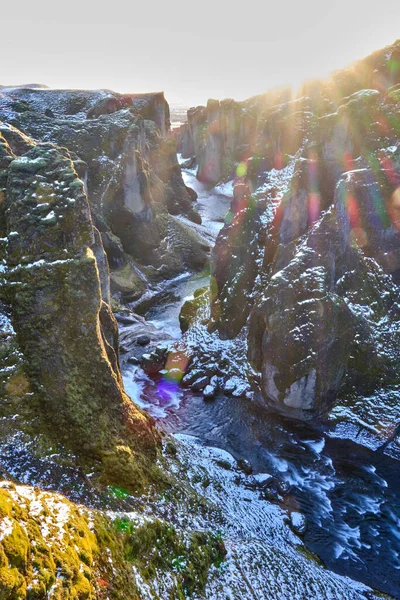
(155,397)
(226,189)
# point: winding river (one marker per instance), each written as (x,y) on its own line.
(348,493)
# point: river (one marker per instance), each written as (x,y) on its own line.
(348,493)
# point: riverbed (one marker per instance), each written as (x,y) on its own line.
(348,493)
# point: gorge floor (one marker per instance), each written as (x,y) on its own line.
(347,492)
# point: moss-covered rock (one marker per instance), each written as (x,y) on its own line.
(128,165)
(64,327)
(49,545)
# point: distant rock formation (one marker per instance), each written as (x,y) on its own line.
(226,132)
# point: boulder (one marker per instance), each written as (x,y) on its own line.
(200,384)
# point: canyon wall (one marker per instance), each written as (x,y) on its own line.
(59,338)
(225,132)
(307,264)
(127,161)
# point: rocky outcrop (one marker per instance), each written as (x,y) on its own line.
(307,263)
(121,149)
(266,126)
(56,287)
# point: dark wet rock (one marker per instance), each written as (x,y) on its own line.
(133,360)
(135,330)
(192,308)
(153,363)
(274,490)
(284,487)
(200,384)
(244,466)
(143,340)
(224,464)
(260,480)
(127,318)
(162,351)
(191,376)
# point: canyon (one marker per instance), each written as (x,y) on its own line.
(199,341)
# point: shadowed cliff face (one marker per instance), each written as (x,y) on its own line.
(121,147)
(55,283)
(308,260)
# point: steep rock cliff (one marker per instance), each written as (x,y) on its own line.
(224,132)
(122,151)
(65,375)
(307,262)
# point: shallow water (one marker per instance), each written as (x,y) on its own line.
(212,207)
(348,493)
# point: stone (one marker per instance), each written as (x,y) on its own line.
(240,390)
(209,391)
(191,377)
(200,384)
(133,360)
(152,364)
(245,466)
(298,523)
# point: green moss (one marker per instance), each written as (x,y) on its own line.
(15,546)
(127,281)
(122,465)
(309,554)
(227,167)
(12,584)
(159,546)
(75,389)
(31,564)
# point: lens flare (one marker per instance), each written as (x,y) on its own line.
(176,365)
(241,170)
(314,207)
(394,208)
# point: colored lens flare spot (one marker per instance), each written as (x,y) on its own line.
(241,169)
(176,365)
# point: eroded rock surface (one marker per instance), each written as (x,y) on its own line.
(307,263)
(122,151)
(66,377)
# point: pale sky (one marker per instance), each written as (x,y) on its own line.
(191,50)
